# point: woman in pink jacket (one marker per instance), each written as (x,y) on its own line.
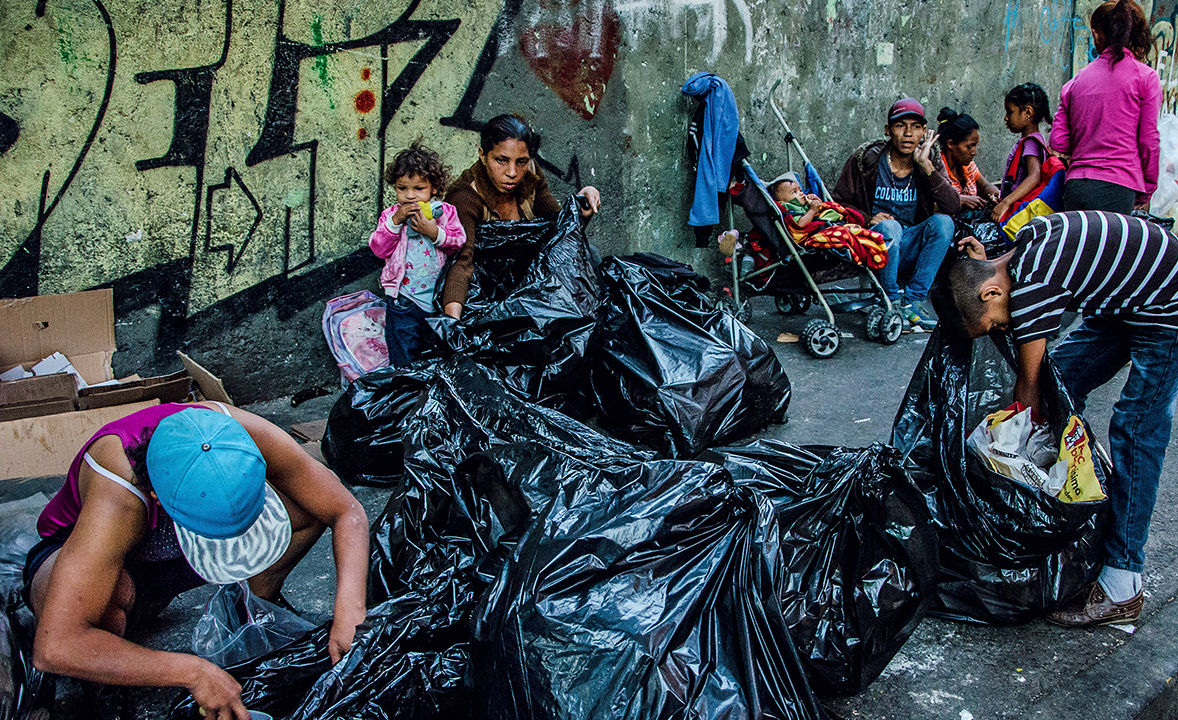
(1107,121)
(413,238)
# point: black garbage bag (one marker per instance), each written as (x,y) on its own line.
(362,441)
(640,594)
(854,558)
(532,321)
(672,371)
(1008,552)
(399,668)
(446,518)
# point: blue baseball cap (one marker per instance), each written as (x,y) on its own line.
(210,478)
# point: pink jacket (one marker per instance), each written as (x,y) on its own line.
(391,245)
(1108,122)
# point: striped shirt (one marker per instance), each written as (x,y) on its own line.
(1097,263)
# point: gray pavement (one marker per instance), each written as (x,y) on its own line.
(947,669)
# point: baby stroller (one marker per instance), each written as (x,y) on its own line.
(793,274)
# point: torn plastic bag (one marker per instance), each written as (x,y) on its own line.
(535,331)
(362,440)
(238,626)
(671,370)
(399,668)
(25,692)
(440,522)
(854,558)
(1008,552)
(641,594)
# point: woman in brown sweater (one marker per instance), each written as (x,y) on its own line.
(504,184)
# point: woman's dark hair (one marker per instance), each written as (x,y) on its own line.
(954,127)
(1030,94)
(508,127)
(1122,25)
(419,160)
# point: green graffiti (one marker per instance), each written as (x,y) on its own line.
(65,46)
(325,81)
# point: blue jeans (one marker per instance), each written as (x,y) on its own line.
(404,330)
(1140,428)
(916,250)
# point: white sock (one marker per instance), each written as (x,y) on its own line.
(1120,585)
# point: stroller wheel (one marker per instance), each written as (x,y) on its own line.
(792,303)
(741,311)
(891,326)
(874,322)
(820,338)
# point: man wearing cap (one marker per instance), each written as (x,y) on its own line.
(164,500)
(899,183)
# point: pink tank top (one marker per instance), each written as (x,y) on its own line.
(63,510)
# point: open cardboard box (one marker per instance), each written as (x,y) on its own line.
(44,420)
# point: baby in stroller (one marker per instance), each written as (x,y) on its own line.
(815,222)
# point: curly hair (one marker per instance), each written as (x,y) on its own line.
(417,159)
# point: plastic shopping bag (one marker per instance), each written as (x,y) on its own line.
(238,626)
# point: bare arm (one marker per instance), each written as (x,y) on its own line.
(1030,362)
(71,638)
(1034,176)
(317,490)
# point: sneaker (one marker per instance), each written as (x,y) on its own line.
(916,320)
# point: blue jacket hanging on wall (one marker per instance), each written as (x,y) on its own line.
(717,144)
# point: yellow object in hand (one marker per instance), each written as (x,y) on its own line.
(427,210)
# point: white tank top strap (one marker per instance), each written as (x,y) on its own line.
(222,406)
(118,480)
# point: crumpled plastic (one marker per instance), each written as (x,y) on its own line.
(362,440)
(1008,552)
(638,595)
(852,550)
(533,307)
(674,372)
(1165,199)
(25,692)
(238,626)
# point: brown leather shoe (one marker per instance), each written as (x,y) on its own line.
(1097,609)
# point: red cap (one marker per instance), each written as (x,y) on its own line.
(907,107)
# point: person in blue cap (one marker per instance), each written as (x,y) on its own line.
(167,499)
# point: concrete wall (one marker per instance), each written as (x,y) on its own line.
(218,162)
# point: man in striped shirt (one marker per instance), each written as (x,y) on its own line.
(1121,274)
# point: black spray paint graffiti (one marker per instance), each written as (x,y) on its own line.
(169,284)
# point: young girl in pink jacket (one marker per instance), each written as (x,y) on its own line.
(414,237)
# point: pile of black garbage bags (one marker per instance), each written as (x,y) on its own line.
(572,531)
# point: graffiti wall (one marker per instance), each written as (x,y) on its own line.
(219,162)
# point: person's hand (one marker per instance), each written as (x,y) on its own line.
(404,211)
(972,247)
(453,309)
(923,157)
(992,196)
(880,217)
(343,631)
(1142,206)
(216,693)
(999,210)
(812,200)
(972,202)
(423,225)
(594,197)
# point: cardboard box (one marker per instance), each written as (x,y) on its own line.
(44,420)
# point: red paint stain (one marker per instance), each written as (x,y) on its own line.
(577,61)
(365,101)
(365,73)
(361,133)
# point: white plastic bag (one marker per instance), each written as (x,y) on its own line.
(238,626)
(1165,198)
(1012,445)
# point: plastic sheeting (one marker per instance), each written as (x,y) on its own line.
(674,372)
(853,553)
(640,595)
(362,441)
(533,307)
(1008,552)
(25,692)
